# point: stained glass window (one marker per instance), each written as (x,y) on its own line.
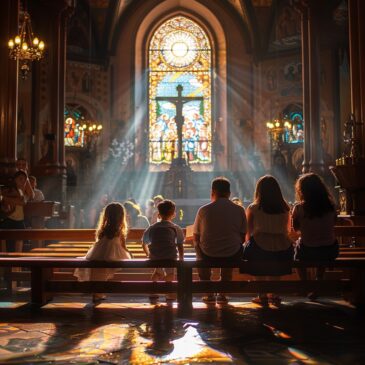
(180,54)
(74,126)
(294,131)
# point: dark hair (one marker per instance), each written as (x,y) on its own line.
(20,173)
(268,196)
(166,208)
(313,193)
(32,178)
(112,222)
(132,210)
(221,186)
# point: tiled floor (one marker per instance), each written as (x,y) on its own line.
(127,330)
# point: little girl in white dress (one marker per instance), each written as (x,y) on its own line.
(110,245)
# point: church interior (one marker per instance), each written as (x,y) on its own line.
(130,100)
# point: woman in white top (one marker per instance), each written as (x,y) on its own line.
(110,245)
(268,225)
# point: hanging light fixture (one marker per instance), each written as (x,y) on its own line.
(25,47)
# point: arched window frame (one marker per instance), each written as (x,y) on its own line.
(193,70)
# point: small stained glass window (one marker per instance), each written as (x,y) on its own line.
(74,127)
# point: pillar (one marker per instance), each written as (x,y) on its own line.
(51,169)
(310,18)
(357,67)
(306,86)
(9,16)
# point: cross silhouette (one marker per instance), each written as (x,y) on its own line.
(179,102)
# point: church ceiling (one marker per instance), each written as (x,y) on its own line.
(273,25)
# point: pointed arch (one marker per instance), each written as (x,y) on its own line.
(180,54)
(217,40)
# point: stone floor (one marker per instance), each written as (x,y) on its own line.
(128,330)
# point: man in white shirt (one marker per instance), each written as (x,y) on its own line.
(219,232)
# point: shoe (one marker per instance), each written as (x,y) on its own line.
(261,300)
(97,298)
(222,299)
(209,299)
(275,300)
(312,296)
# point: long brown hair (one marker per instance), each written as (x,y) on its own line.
(268,196)
(313,193)
(112,222)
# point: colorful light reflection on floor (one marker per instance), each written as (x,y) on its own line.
(134,332)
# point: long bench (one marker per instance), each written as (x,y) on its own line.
(350,261)
(43,287)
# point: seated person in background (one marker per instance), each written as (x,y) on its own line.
(110,245)
(96,210)
(135,219)
(156,200)
(219,232)
(314,217)
(38,195)
(268,226)
(13,200)
(149,209)
(162,241)
(21,164)
(237,201)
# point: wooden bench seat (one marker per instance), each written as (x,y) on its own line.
(43,285)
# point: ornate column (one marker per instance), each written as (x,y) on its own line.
(310,18)
(316,152)
(9,16)
(349,169)
(306,88)
(51,167)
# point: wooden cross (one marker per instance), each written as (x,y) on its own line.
(179,102)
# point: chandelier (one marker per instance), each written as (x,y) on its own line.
(25,47)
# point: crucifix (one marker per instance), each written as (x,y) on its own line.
(179,102)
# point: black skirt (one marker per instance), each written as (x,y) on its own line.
(260,262)
(319,253)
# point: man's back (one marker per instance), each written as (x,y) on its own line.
(221,226)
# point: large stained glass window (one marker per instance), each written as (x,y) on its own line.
(180,54)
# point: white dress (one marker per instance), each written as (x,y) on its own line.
(104,249)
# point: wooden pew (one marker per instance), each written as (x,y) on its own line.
(43,286)
(85,237)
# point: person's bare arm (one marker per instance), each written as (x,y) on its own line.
(180,249)
(146,249)
(249,216)
(28,190)
(198,250)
